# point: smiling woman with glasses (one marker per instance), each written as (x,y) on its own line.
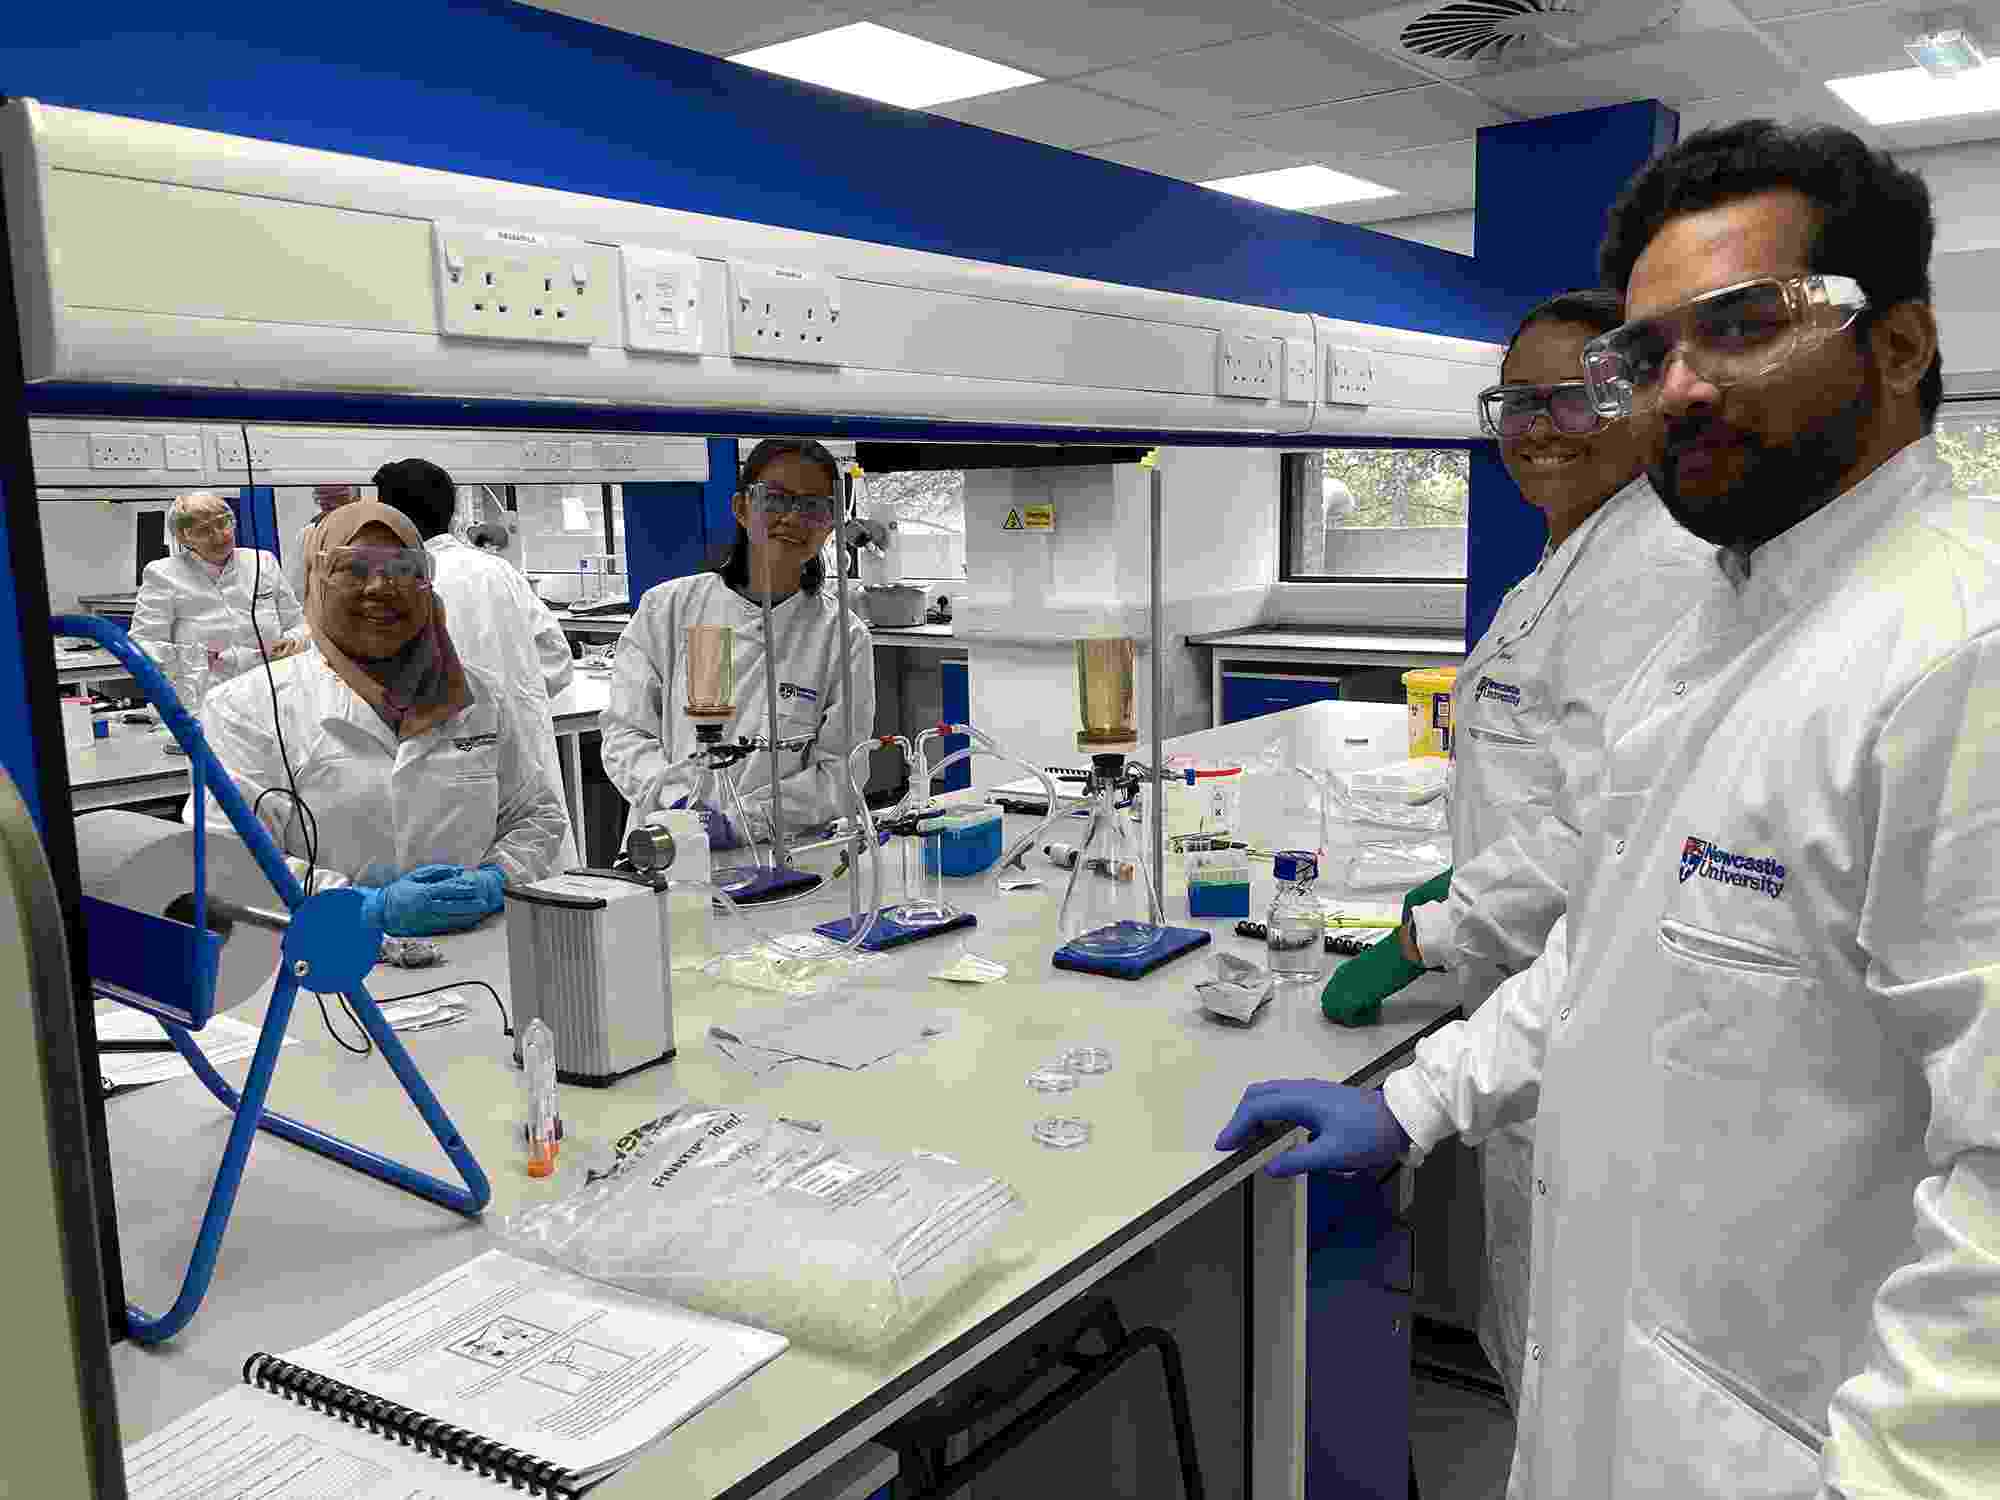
(202,593)
(789,496)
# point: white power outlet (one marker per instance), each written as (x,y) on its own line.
(121,450)
(1300,371)
(662,299)
(183,452)
(538,453)
(1350,374)
(582,456)
(229,453)
(780,312)
(618,455)
(1246,366)
(518,285)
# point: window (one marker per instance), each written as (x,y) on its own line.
(929,507)
(1968,439)
(1375,513)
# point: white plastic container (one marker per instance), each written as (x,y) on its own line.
(690,907)
(76,723)
(1202,796)
(1411,782)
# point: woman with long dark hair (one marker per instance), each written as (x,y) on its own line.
(788,501)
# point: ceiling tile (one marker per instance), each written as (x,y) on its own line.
(1680,68)
(705,26)
(1866,41)
(1444,174)
(1382,210)
(1427,116)
(1383,27)
(1057,114)
(1342,10)
(1764,10)
(1196,155)
(1061,38)
(1255,75)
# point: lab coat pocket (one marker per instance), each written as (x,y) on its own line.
(1733,1008)
(1692,1429)
(475,758)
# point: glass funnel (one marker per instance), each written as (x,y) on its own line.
(1110,909)
(735,859)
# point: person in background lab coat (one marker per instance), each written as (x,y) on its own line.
(329,498)
(488,536)
(1767,1028)
(647,739)
(1617,574)
(501,626)
(200,593)
(412,777)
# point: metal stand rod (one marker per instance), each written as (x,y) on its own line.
(778,850)
(1158,628)
(847,692)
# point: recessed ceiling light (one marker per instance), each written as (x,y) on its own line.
(1907,94)
(890,66)
(1301,187)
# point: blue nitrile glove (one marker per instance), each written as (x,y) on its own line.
(1352,1129)
(1354,995)
(721,832)
(390,908)
(1434,889)
(433,899)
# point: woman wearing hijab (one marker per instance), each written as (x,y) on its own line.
(409,778)
(202,593)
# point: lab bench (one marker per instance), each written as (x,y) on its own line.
(1148,1202)
(1271,668)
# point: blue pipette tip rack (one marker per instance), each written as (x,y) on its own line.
(1170,945)
(889,933)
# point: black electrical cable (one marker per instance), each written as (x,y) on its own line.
(367,1047)
(506,1021)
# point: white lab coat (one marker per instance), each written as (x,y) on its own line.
(469,792)
(1749,1072)
(647,738)
(1528,737)
(180,604)
(498,624)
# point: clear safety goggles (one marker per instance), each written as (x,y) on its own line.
(352,569)
(1509,411)
(814,510)
(1725,337)
(218,525)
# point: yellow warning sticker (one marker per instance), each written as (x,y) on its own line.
(1038,517)
(1013,521)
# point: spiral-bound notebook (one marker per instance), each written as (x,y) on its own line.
(503,1372)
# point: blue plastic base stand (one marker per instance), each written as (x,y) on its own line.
(1170,945)
(770,885)
(889,933)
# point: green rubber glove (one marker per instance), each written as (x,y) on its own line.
(1354,996)
(1434,889)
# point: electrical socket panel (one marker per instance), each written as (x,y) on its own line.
(781,312)
(518,285)
(583,455)
(121,450)
(183,452)
(1247,366)
(1300,371)
(232,457)
(1350,374)
(662,299)
(617,455)
(539,453)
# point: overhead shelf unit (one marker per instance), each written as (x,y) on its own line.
(276,269)
(94,453)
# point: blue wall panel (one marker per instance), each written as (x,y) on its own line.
(504,91)
(664,534)
(1544,187)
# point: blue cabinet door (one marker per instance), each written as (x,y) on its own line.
(1247,694)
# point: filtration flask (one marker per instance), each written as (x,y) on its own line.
(1110,909)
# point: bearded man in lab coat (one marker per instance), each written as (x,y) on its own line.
(1768,1028)
(497,622)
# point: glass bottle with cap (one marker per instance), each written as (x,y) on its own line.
(1295,929)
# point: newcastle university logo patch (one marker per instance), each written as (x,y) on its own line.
(1748,871)
(1490,687)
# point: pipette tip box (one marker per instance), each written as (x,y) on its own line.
(1171,944)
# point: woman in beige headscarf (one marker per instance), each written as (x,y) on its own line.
(379,758)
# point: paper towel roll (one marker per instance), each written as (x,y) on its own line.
(145,864)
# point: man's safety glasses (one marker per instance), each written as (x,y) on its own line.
(1725,337)
(816,510)
(352,569)
(1509,411)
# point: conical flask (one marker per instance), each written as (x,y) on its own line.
(1111,909)
(735,859)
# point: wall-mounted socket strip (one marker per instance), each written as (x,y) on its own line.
(1350,374)
(183,452)
(1300,371)
(544,453)
(583,455)
(618,455)
(1247,366)
(119,450)
(662,297)
(518,285)
(230,455)
(780,312)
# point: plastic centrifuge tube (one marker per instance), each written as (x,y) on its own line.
(538,1084)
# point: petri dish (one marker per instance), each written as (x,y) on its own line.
(1052,1080)
(1087,1059)
(1063,1132)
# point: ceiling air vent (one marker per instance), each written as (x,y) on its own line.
(1517,31)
